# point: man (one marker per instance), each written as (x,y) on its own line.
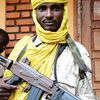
(51,22)
(4,39)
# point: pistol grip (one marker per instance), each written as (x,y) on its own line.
(14,80)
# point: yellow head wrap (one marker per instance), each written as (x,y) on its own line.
(35,3)
(48,36)
(42,58)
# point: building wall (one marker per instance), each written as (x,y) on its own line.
(2,14)
(71,17)
(19,20)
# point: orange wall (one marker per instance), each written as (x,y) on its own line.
(71,16)
(2,14)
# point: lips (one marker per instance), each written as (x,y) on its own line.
(49,22)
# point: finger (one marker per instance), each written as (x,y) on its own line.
(3,90)
(7,86)
(5,94)
(4,79)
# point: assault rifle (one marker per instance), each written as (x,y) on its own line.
(22,71)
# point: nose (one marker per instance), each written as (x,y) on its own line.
(49,13)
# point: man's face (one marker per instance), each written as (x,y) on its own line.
(50,15)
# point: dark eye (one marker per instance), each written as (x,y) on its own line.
(41,8)
(57,7)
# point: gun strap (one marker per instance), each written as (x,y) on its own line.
(76,54)
(78,59)
(24,50)
(61,47)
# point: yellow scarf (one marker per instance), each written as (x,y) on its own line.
(42,57)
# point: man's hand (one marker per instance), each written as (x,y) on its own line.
(6,89)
